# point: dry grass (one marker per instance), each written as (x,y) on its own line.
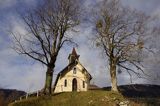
(89,98)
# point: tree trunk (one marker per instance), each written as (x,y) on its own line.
(113,77)
(48,82)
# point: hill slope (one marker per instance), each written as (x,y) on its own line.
(8,95)
(136,95)
(99,97)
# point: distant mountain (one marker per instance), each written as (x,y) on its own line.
(139,90)
(93,87)
(9,95)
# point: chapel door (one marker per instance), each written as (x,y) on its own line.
(74,84)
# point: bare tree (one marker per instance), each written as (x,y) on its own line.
(47,27)
(121,34)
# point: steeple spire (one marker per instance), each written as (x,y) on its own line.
(73,56)
(74,52)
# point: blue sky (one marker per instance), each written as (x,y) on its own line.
(19,72)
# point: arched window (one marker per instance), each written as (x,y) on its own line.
(65,83)
(74,70)
(83,84)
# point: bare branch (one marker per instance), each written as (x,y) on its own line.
(126,68)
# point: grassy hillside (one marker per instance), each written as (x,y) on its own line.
(94,98)
(89,98)
(136,95)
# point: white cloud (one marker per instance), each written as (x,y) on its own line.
(22,76)
(18,72)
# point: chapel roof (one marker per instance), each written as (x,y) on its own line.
(74,51)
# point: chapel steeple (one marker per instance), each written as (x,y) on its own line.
(73,57)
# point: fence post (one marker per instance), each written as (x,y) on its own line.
(61,88)
(26,95)
(37,93)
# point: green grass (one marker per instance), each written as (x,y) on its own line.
(89,98)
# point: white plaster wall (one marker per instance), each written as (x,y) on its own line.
(80,77)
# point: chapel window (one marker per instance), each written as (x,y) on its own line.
(65,83)
(83,84)
(74,70)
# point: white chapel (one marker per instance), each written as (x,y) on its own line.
(74,77)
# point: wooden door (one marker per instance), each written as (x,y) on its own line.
(74,84)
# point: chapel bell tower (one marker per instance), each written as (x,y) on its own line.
(73,57)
